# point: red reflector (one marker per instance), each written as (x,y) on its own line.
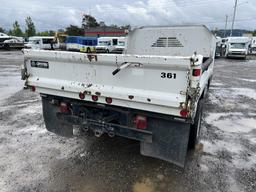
(33,88)
(196,72)
(64,107)
(95,98)
(140,122)
(184,112)
(108,100)
(81,95)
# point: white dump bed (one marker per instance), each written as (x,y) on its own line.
(152,83)
(149,77)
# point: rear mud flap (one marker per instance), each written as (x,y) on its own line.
(170,141)
(52,123)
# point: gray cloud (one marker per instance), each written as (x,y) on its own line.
(49,14)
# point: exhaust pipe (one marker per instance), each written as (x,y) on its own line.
(85,126)
(98,133)
(111,134)
(85,129)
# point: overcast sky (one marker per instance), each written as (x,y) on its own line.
(56,14)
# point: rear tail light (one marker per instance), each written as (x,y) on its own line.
(64,107)
(33,88)
(94,97)
(140,122)
(196,72)
(108,100)
(184,112)
(81,95)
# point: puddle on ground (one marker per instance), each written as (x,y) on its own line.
(145,186)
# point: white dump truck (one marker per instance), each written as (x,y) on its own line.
(110,44)
(154,92)
(237,47)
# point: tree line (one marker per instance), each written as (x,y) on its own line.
(88,21)
(30,29)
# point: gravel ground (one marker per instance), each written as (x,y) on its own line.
(32,159)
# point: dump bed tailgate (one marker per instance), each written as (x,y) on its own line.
(151,83)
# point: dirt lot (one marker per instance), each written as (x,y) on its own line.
(32,159)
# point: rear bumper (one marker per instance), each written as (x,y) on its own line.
(164,138)
(102,127)
(101,50)
(240,55)
(118,50)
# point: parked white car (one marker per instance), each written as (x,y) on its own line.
(3,35)
(4,38)
(14,40)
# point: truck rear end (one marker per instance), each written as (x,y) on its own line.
(148,96)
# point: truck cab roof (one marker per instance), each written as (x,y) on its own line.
(238,39)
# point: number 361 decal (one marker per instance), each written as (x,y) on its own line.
(168,75)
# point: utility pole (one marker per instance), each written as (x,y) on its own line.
(233,21)
(226,23)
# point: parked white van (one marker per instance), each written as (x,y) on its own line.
(110,44)
(120,45)
(237,46)
(42,42)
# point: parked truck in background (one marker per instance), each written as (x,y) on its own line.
(237,47)
(218,51)
(154,92)
(253,44)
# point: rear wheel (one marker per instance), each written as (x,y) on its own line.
(6,46)
(195,128)
(207,87)
(209,83)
